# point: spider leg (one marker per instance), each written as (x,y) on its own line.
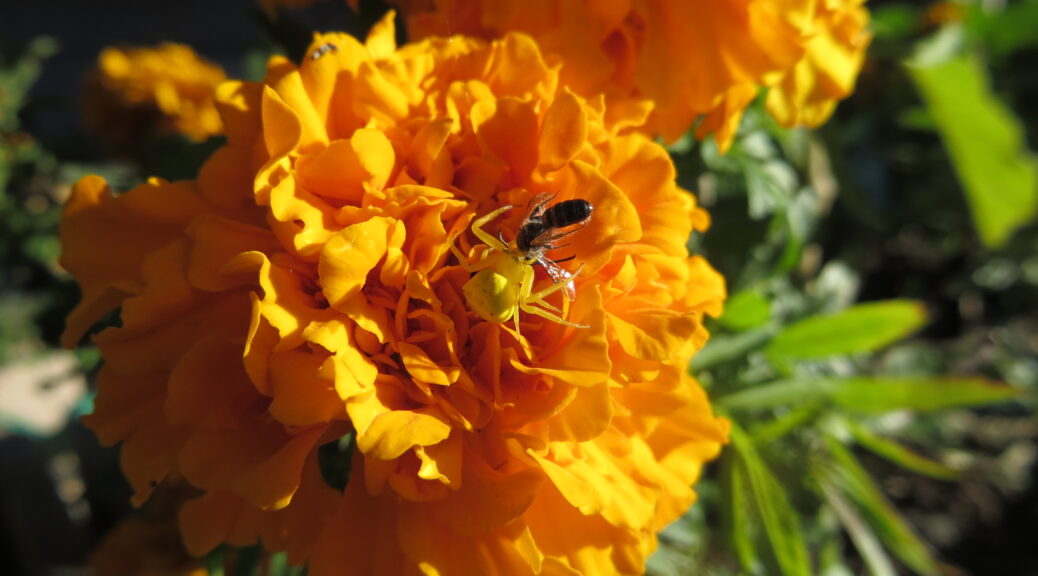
(484,237)
(538,297)
(485,260)
(547,305)
(546,314)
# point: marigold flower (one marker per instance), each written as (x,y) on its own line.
(138,547)
(835,52)
(689,58)
(147,543)
(304,287)
(138,91)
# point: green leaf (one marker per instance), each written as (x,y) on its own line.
(924,394)
(336,460)
(277,565)
(735,512)
(847,476)
(769,186)
(745,310)
(722,348)
(985,143)
(900,455)
(894,20)
(872,395)
(796,419)
(861,328)
(864,539)
(776,394)
(781,524)
(214,561)
(1006,31)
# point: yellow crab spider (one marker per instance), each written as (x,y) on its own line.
(502,281)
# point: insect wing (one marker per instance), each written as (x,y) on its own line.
(560,275)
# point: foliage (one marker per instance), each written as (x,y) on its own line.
(821,386)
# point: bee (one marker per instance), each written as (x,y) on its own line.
(544,226)
(502,278)
(323,49)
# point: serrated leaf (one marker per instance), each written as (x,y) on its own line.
(848,476)
(861,328)
(780,520)
(900,455)
(744,310)
(985,142)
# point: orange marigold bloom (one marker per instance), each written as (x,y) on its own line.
(835,52)
(148,542)
(141,547)
(135,92)
(689,58)
(305,287)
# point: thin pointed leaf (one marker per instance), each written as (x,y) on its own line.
(776,394)
(781,524)
(721,349)
(851,479)
(861,328)
(900,455)
(877,395)
(864,539)
(795,419)
(872,395)
(734,513)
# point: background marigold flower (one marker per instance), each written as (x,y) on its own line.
(135,92)
(139,547)
(834,54)
(689,59)
(303,288)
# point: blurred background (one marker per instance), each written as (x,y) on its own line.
(878,357)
